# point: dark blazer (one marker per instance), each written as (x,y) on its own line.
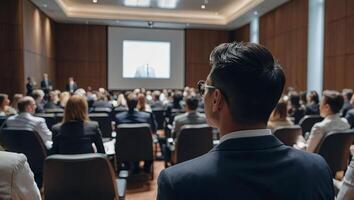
(248,168)
(76,137)
(346,107)
(350,117)
(312,109)
(46,87)
(29,89)
(68,87)
(132,117)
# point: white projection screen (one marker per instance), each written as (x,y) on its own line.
(145,58)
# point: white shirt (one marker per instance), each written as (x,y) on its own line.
(245,134)
(16,182)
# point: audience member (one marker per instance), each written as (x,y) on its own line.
(346,187)
(29,86)
(5,108)
(296,111)
(46,85)
(279,116)
(330,106)
(38,96)
(312,107)
(25,119)
(63,99)
(240,92)
(303,99)
(350,114)
(156,103)
(347,95)
(15,100)
(142,105)
(121,101)
(17,180)
(71,86)
(102,101)
(76,134)
(52,102)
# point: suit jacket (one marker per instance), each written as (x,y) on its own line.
(135,117)
(186,119)
(27,120)
(346,191)
(350,117)
(248,168)
(46,87)
(76,137)
(346,107)
(312,109)
(16,182)
(74,87)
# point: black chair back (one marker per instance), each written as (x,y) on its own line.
(335,149)
(308,121)
(288,135)
(193,141)
(84,176)
(101,110)
(2,120)
(104,122)
(159,115)
(59,117)
(50,119)
(28,142)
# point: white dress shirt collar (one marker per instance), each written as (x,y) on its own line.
(246,133)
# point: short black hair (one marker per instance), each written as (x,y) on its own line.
(348,93)
(294,99)
(249,79)
(313,96)
(334,99)
(132,101)
(192,102)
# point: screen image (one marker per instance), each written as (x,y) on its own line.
(146,59)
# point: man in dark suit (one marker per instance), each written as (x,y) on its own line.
(240,92)
(46,85)
(132,116)
(71,86)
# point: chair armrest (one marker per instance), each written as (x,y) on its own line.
(121,188)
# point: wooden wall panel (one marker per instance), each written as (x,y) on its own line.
(284,32)
(81,52)
(241,34)
(11,47)
(198,46)
(339,40)
(39,56)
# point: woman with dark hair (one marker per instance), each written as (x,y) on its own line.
(296,110)
(313,107)
(77,134)
(5,108)
(279,116)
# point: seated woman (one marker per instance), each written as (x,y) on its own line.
(76,134)
(279,116)
(5,108)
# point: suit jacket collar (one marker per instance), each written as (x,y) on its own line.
(249,144)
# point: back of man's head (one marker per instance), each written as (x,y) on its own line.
(23,103)
(192,102)
(347,94)
(132,101)
(334,99)
(249,79)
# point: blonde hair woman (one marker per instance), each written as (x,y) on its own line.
(76,133)
(63,98)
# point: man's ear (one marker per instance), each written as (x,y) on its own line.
(218,101)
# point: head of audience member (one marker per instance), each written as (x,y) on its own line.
(313,98)
(15,100)
(177,98)
(121,101)
(76,109)
(156,95)
(4,101)
(303,99)
(192,103)
(64,97)
(280,112)
(243,87)
(45,76)
(38,95)
(101,97)
(80,92)
(26,104)
(29,80)
(141,102)
(132,101)
(331,103)
(347,94)
(53,97)
(294,99)
(71,80)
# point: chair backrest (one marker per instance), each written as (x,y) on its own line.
(101,110)
(28,142)
(50,119)
(288,135)
(159,115)
(193,141)
(335,149)
(104,121)
(134,142)
(59,117)
(2,120)
(308,121)
(84,176)
(54,110)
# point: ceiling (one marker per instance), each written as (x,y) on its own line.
(181,14)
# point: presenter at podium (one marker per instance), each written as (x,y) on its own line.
(145,71)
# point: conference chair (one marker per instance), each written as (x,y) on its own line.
(101,110)
(308,121)
(192,141)
(2,120)
(159,115)
(134,143)
(50,119)
(288,135)
(335,149)
(28,142)
(104,122)
(59,117)
(81,176)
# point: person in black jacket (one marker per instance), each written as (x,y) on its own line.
(76,134)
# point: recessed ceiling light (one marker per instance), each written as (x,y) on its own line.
(94,1)
(202,6)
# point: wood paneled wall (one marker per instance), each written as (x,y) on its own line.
(39,56)
(11,47)
(81,52)
(241,34)
(284,32)
(198,46)
(339,44)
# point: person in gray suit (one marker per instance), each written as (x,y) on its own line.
(25,119)
(346,187)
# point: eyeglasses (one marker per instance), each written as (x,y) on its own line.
(202,87)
